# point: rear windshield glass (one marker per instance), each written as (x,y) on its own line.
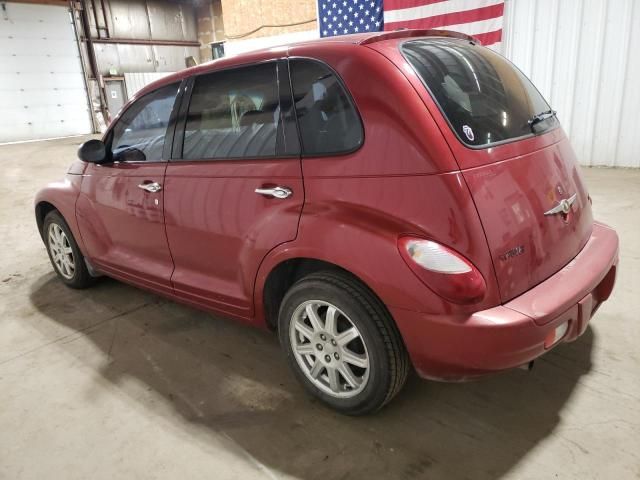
(483,96)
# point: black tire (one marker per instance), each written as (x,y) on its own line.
(388,359)
(80,277)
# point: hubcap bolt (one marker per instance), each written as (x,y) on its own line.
(319,347)
(322,337)
(337,357)
(327,358)
(333,342)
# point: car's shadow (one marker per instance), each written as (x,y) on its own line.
(233,381)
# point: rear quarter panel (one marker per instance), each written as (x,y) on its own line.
(403,180)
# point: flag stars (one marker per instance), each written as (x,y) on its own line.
(342,17)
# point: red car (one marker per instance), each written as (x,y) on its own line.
(379,200)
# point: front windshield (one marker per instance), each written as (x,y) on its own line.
(483,96)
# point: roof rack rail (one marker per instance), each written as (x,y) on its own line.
(409,33)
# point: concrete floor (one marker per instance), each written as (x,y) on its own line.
(114,382)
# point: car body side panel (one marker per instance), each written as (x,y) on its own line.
(123,225)
(219,229)
(355,222)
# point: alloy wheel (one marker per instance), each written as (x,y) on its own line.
(329,349)
(61,251)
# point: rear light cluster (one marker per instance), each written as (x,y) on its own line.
(443,270)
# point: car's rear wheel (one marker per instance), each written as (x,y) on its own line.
(65,256)
(342,343)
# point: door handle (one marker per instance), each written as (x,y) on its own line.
(151,187)
(275,192)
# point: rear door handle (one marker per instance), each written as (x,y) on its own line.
(151,187)
(275,192)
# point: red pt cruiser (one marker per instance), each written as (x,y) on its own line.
(379,200)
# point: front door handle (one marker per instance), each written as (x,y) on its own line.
(151,187)
(275,192)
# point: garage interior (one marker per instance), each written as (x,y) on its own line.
(117,382)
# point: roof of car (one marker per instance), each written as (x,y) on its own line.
(264,53)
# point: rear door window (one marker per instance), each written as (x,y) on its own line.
(327,119)
(234,114)
(483,96)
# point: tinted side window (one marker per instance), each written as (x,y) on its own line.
(140,131)
(327,119)
(234,114)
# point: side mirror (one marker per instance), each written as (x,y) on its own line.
(92,151)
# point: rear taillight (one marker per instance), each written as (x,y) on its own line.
(443,270)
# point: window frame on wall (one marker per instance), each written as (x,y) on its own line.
(287,141)
(350,101)
(169,129)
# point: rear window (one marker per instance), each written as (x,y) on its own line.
(484,97)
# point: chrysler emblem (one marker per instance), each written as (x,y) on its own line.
(563,206)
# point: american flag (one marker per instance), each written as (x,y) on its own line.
(480,18)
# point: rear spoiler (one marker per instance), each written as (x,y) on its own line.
(410,33)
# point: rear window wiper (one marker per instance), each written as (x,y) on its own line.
(540,117)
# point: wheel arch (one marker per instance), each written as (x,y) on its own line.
(275,279)
(42,209)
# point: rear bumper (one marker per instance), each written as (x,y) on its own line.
(455,348)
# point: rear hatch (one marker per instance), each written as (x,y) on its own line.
(515,158)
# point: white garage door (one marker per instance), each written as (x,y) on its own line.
(42,91)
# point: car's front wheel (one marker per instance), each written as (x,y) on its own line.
(342,343)
(65,256)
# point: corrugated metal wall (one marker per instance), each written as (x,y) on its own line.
(584,56)
(144,20)
(136,81)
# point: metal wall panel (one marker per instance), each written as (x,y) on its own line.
(152,20)
(129,19)
(583,56)
(146,20)
(135,81)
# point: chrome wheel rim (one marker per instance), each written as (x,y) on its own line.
(61,251)
(329,349)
